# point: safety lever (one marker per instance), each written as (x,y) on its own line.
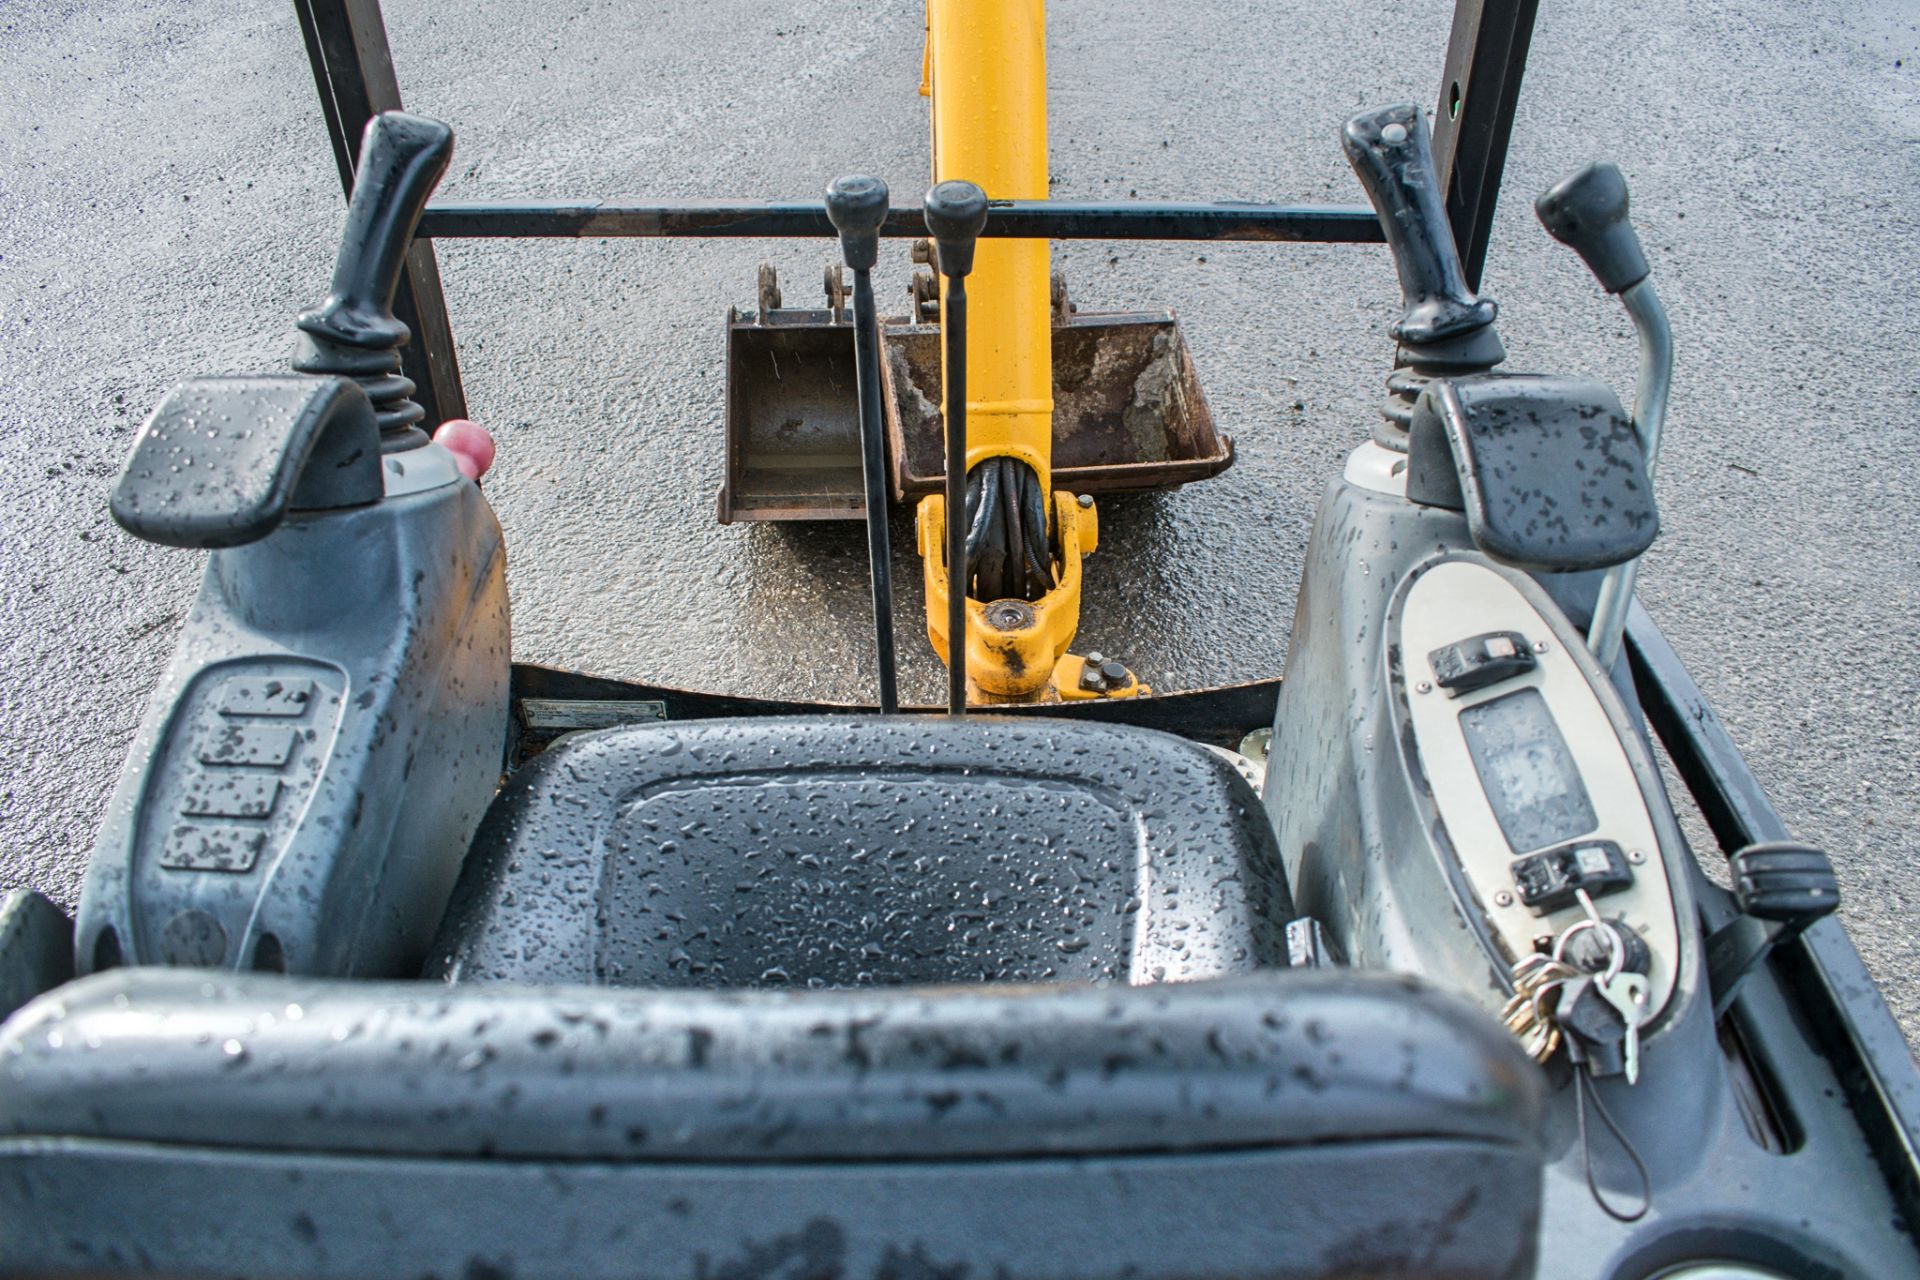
(223,461)
(1588,213)
(856,206)
(956,213)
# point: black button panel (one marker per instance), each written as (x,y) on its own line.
(243,751)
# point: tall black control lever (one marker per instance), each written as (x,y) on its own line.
(354,333)
(857,206)
(1588,213)
(1444,329)
(956,213)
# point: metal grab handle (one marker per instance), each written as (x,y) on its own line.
(857,206)
(1588,213)
(956,212)
(354,333)
(1392,155)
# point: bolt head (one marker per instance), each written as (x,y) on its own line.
(1503,899)
(1114,672)
(1425,686)
(1540,646)
(1636,856)
(1010,615)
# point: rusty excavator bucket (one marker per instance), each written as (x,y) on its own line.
(1129,414)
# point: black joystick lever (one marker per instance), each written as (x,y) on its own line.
(956,213)
(1445,329)
(1393,156)
(354,333)
(856,206)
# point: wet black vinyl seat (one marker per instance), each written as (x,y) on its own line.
(856,851)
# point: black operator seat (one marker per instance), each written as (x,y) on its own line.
(1057,1041)
(861,851)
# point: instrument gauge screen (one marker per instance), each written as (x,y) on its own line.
(1528,773)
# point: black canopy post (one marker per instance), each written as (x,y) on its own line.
(353,71)
(1486,56)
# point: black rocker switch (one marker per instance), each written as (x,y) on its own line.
(1476,663)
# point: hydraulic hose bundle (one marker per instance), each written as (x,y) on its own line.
(1008,553)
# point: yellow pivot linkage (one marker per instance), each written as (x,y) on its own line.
(986,72)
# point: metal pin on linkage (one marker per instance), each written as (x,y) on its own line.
(857,206)
(956,212)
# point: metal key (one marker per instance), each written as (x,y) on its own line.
(1627,992)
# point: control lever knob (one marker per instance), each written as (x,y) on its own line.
(1392,155)
(857,205)
(956,213)
(1588,214)
(1781,887)
(1784,881)
(354,333)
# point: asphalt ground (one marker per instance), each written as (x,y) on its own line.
(168,203)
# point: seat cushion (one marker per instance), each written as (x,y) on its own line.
(849,851)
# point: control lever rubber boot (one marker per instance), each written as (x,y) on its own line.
(354,333)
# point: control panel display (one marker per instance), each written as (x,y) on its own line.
(1529,775)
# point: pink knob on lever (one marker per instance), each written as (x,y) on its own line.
(469,443)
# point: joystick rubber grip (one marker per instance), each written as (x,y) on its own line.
(956,213)
(402,158)
(1392,155)
(857,205)
(1588,214)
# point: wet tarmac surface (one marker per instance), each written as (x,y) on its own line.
(168,203)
